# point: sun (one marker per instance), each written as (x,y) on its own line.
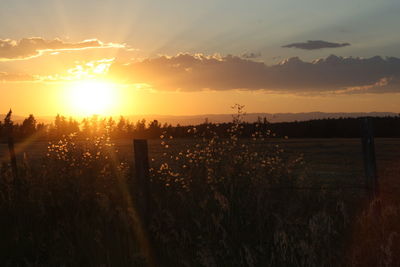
(88,98)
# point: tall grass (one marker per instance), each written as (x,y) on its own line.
(215,202)
(225,202)
(69,211)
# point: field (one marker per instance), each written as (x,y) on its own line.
(213,204)
(332,163)
(329,159)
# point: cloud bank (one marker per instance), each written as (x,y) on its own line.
(188,72)
(314,45)
(27,48)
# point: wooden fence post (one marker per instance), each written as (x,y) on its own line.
(142,195)
(369,156)
(141,182)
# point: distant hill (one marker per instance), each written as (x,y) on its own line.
(220,118)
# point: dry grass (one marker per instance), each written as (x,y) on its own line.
(215,202)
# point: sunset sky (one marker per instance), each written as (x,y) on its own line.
(194,57)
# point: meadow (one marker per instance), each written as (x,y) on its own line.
(338,159)
(214,202)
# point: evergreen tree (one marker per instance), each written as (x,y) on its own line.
(154,129)
(28,126)
(8,123)
(121,126)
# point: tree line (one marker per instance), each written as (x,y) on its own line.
(124,128)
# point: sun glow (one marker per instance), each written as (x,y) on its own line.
(88,98)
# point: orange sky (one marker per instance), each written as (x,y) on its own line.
(135,57)
(49,83)
(44,85)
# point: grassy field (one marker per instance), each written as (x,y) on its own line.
(330,162)
(327,159)
(279,202)
(335,164)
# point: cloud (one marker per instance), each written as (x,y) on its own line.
(314,45)
(32,47)
(384,85)
(16,77)
(251,55)
(82,71)
(188,72)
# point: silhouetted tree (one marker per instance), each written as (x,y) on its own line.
(111,127)
(94,124)
(154,129)
(8,126)
(86,130)
(121,127)
(73,126)
(28,127)
(321,128)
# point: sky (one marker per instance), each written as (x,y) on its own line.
(198,57)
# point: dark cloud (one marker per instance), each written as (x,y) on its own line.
(314,45)
(15,77)
(31,47)
(197,72)
(251,55)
